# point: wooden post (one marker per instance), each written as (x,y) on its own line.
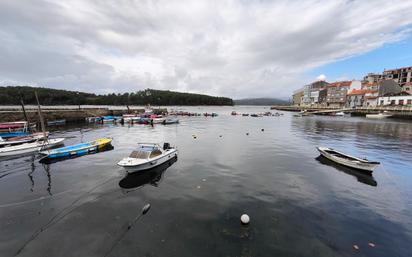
(43,127)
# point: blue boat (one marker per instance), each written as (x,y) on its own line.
(77,150)
(15,134)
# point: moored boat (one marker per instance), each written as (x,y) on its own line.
(56,122)
(30,147)
(381,115)
(78,149)
(347,160)
(168,121)
(147,156)
(21,139)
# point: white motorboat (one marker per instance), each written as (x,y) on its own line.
(381,115)
(347,160)
(147,156)
(33,147)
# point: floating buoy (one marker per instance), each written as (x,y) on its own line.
(220,135)
(194,136)
(263,129)
(146,208)
(247,134)
(244,219)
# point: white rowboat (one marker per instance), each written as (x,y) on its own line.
(347,160)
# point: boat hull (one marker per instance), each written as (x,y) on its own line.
(151,163)
(30,147)
(366,167)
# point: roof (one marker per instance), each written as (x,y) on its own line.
(360,92)
(366,85)
(340,84)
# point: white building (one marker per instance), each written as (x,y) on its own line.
(395,100)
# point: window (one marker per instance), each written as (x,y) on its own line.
(393,102)
(382,102)
(401,102)
(409,101)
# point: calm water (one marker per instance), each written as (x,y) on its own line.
(299,205)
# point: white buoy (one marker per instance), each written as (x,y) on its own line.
(245,219)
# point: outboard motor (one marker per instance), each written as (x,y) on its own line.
(166,146)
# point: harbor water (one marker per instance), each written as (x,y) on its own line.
(266,167)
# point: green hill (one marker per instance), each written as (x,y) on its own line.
(47,96)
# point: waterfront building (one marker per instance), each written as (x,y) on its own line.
(297,97)
(336,93)
(356,98)
(400,99)
(312,91)
(371,98)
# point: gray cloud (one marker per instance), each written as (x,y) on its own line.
(231,48)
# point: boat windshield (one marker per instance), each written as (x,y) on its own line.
(140,154)
(145,152)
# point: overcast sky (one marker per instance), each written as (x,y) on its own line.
(230,48)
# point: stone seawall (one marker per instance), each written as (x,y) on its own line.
(71,116)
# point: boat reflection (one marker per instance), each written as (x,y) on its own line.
(141,178)
(360,176)
(54,160)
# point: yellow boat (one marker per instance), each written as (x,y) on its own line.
(79,149)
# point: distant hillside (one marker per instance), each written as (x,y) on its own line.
(260,101)
(49,96)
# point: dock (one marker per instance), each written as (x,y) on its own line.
(72,114)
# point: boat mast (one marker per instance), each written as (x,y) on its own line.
(25,114)
(43,128)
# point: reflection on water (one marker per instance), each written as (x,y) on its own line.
(359,175)
(150,176)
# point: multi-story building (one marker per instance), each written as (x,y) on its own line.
(398,99)
(371,98)
(400,76)
(407,88)
(312,91)
(336,93)
(297,97)
(356,97)
(372,78)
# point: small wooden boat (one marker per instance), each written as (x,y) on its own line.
(168,121)
(147,156)
(347,160)
(30,147)
(245,114)
(20,140)
(233,113)
(79,149)
(56,122)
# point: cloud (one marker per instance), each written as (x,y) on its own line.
(231,48)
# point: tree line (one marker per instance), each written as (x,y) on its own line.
(12,95)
